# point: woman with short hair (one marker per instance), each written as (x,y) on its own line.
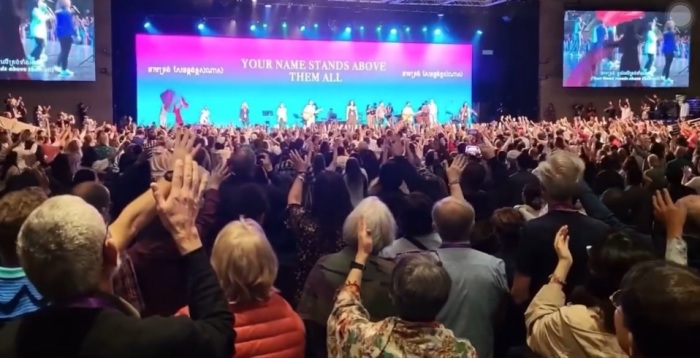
(246,266)
(419,287)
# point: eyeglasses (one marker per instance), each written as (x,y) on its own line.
(431,253)
(615,298)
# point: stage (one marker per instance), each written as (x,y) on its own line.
(78,54)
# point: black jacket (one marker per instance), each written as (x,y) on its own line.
(111,330)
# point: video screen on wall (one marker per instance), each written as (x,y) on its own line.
(188,76)
(625,49)
(47,40)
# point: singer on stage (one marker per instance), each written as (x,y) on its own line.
(65,30)
(282,116)
(39,31)
(244,114)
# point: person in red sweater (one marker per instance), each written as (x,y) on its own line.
(246,266)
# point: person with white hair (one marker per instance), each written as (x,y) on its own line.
(68,254)
(560,177)
(328,274)
(419,287)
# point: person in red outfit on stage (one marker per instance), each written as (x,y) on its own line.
(177,110)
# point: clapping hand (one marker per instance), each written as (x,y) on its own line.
(178,211)
(561,245)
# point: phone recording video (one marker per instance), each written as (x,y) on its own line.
(473,150)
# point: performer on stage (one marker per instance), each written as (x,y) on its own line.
(65,30)
(178,111)
(282,116)
(244,114)
(351,114)
(204,116)
(38,30)
(650,48)
(369,113)
(465,114)
(309,114)
(381,113)
(669,49)
(407,112)
(390,112)
(432,112)
(163,117)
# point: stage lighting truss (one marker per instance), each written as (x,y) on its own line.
(464,3)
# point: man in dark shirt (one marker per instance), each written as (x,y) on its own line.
(513,193)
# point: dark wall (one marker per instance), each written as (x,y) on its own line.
(551,40)
(64,96)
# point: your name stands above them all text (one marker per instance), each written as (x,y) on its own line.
(312,65)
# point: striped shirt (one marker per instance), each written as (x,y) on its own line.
(17,295)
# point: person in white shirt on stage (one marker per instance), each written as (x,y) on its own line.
(381,113)
(282,116)
(204,116)
(432,112)
(407,112)
(309,114)
(351,114)
(163,117)
(650,48)
(684,109)
(38,30)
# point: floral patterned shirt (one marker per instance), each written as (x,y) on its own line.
(351,334)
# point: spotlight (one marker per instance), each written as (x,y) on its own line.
(302,28)
(268,6)
(264,26)
(393,31)
(146,25)
(441,15)
(252,27)
(200,26)
(425,29)
(379,28)
(437,32)
(479,32)
(315,26)
(407,29)
(348,29)
(362,28)
(284,25)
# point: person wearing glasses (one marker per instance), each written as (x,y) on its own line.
(586,326)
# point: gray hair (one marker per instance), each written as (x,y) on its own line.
(420,287)
(378,219)
(60,247)
(561,175)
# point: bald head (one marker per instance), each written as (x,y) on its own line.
(453,219)
(94,194)
(654,160)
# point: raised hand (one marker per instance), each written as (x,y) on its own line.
(561,244)
(178,211)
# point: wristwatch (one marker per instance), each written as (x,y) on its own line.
(357,265)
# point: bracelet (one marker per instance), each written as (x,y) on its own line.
(454,182)
(555,279)
(300,177)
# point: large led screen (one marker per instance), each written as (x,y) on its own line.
(187,75)
(42,40)
(625,49)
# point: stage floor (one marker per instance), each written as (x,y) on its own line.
(679,72)
(78,54)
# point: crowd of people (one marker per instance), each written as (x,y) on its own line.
(517,238)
